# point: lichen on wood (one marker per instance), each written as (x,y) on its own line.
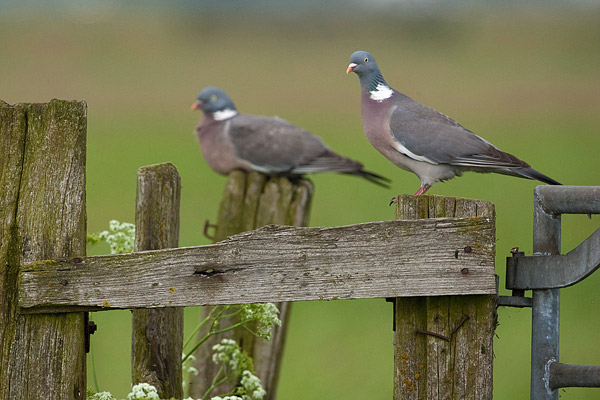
(157,334)
(445,340)
(42,216)
(424,257)
(251,200)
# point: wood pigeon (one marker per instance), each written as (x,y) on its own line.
(422,140)
(271,145)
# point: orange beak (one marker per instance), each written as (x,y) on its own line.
(196,105)
(350,68)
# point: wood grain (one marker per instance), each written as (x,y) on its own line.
(443,344)
(265,200)
(42,214)
(157,334)
(376,259)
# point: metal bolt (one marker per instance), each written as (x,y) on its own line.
(464,271)
(516,253)
(468,249)
(92,327)
(64,282)
(77,260)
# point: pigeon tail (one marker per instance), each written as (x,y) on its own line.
(371,177)
(531,173)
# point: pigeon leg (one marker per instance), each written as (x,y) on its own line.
(424,188)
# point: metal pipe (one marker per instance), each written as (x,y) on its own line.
(567,375)
(569,199)
(545,310)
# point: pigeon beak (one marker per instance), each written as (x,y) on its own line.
(196,105)
(351,68)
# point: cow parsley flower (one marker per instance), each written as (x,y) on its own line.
(120,236)
(253,385)
(102,396)
(143,391)
(265,315)
(229,354)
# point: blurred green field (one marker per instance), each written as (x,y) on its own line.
(526,79)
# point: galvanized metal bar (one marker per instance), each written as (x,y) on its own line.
(568,375)
(569,199)
(547,272)
(545,325)
(545,310)
(514,301)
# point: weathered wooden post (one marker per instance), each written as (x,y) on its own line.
(157,333)
(251,201)
(443,344)
(42,217)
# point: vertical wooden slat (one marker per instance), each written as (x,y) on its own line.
(292,208)
(157,334)
(42,217)
(250,201)
(443,345)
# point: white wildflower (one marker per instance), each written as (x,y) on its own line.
(265,315)
(143,391)
(102,396)
(253,385)
(120,238)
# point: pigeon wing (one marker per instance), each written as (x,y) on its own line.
(273,145)
(425,134)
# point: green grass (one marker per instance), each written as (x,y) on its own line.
(527,81)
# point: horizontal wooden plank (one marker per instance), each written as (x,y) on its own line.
(429,257)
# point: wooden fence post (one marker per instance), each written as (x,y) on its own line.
(443,344)
(252,200)
(157,334)
(42,217)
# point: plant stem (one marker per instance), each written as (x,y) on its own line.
(200,325)
(215,383)
(207,336)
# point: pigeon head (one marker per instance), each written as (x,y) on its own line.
(215,103)
(364,65)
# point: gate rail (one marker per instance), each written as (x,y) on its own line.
(545,273)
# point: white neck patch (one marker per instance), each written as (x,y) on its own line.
(381,92)
(224,114)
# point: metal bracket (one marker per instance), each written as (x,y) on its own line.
(89,328)
(518,298)
(554,271)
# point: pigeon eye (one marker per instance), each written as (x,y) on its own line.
(366,59)
(213,98)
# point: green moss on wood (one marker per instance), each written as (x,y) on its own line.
(47,177)
(447,369)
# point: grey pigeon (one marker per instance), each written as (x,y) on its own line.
(271,145)
(422,140)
